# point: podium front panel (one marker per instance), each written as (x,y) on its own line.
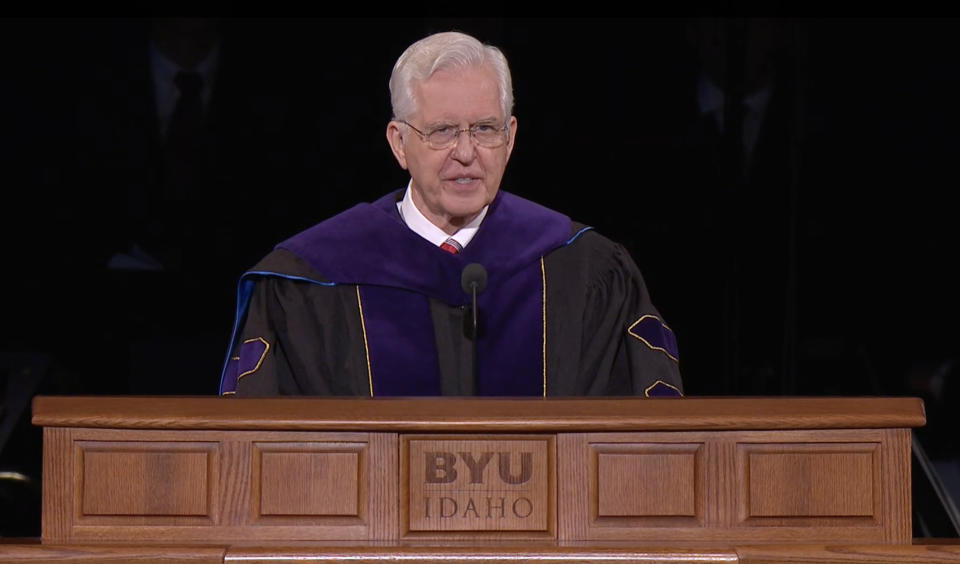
(213,486)
(476,472)
(746,486)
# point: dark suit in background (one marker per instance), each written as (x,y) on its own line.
(719,190)
(139,279)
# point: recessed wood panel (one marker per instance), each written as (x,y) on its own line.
(146,480)
(309,483)
(810,481)
(650,483)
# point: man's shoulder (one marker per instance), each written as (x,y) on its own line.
(590,253)
(521,207)
(282,263)
(581,237)
(348,223)
(586,238)
(337,239)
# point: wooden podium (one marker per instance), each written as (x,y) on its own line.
(750,480)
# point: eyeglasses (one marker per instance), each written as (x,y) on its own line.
(483,134)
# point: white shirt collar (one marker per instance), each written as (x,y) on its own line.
(422,226)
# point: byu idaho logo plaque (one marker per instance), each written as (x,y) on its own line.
(466,484)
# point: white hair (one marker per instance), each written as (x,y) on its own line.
(442,51)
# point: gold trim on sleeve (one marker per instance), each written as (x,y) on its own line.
(263,355)
(366,347)
(543,275)
(646,342)
(646,392)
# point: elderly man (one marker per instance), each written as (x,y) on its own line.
(450,287)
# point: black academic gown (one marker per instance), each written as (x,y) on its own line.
(565,313)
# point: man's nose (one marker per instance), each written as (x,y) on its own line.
(465,149)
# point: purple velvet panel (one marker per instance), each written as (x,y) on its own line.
(245,359)
(403,352)
(510,349)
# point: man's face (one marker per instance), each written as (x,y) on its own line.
(450,186)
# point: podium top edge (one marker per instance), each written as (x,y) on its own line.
(526,415)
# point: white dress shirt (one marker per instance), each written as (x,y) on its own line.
(422,226)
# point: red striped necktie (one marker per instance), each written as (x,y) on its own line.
(451,246)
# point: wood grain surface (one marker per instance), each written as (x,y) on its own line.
(477,414)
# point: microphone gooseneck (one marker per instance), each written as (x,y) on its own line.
(473,280)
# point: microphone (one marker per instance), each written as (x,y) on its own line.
(473,280)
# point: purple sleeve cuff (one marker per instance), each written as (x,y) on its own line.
(246,359)
(655,334)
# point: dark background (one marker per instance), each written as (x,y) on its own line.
(827,270)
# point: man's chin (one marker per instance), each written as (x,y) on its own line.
(466,205)
(461,218)
(462,215)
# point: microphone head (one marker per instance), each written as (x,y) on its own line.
(474,274)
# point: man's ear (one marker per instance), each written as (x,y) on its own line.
(513,135)
(395,139)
